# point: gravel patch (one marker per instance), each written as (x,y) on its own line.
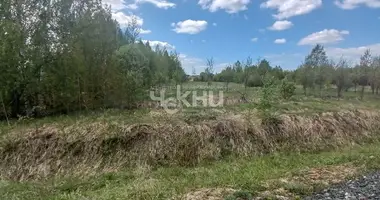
(363,188)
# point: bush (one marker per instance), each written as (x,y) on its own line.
(267,104)
(268,93)
(287,89)
(254,81)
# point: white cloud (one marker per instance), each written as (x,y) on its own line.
(326,36)
(289,8)
(353,53)
(215,24)
(286,60)
(254,39)
(281,25)
(189,26)
(189,62)
(143,31)
(280,41)
(158,3)
(164,4)
(115,4)
(132,6)
(351,4)
(230,6)
(160,44)
(124,19)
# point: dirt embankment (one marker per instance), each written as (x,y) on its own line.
(98,147)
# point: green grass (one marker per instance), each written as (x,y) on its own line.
(109,115)
(163,183)
(299,104)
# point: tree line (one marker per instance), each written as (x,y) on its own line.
(318,71)
(243,72)
(315,73)
(58,56)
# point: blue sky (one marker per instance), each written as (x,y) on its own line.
(282,31)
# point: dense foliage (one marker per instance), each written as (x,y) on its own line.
(249,74)
(65,55)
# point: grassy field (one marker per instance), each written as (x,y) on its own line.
(266,173)
(198,153)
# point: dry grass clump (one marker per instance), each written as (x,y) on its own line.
(326,175)
(90,148)
(207,194)
(307,181)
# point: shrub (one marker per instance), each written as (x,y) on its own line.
(267,102)
(268,93)
(287,89)
(254,81)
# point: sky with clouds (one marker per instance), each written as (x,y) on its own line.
(282,31)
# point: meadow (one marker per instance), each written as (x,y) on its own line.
(197,153)
(77,120)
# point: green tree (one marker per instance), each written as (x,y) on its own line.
(317,60)
(341,76)
(227,76)
(305,76)
(246,72)
(209,71)
(364,70)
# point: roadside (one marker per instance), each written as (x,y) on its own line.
(294,174)
(362,188)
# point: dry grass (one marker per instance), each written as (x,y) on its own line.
(103,146)
(207,194)
(307,180)
(291,186)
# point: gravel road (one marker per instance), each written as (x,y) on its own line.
(365,187)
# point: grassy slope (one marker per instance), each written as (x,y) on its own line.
(299,104)
(162,183)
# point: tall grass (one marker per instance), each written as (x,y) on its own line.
(84,149)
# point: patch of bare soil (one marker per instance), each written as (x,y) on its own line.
(306,181)
(207,194)
(326,175)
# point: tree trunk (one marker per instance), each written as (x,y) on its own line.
(245,85)
(304,90)
(339,91)
(362,93)
(4,109)
(15,104)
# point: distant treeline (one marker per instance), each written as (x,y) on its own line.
(316,72)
